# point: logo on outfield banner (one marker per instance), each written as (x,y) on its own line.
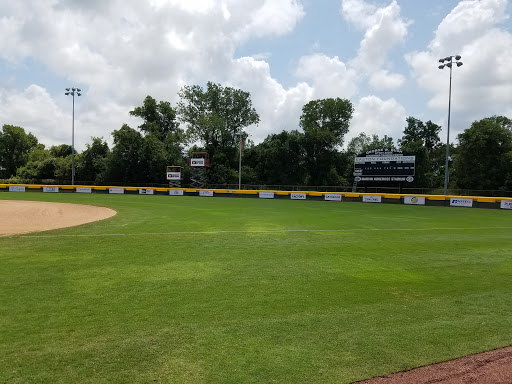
(415,200)
(16,188)
(116,190)
(145,191)
(332,197)
(50,189)
(506,204)
(457,202)
(298,196)
(173,175)
(372,198)
(84,189)
(266,195)
(206,193)
(176,192)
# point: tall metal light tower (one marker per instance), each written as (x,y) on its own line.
(449,63)
(73,92)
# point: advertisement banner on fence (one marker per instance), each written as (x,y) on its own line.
(298,196)
(266,195)
(116,190)
(145,191)
(372,198)
(84,189)
(458,202)
(506,204)
(16,188)
(176,192)
(50,189)
(332,197)
(206,193)
(415,200)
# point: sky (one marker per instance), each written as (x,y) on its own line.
(382,55)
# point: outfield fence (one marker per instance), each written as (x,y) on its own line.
(502,202)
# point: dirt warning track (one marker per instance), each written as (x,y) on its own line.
(17,217)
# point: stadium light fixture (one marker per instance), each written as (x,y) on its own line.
(73,92)
(449,64)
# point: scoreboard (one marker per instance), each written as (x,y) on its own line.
(383,165)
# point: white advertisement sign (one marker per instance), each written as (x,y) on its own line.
(506,204)
(266,195)
(206,193)
(176,192)
(145,191)
(199,162)
(173,175)
(116,190)
(372,198)
(332,197)
(84,189)
(16,188)
(415,200)
(50,189)
(298,196)
(458,202)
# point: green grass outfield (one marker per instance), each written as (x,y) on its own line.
(227,290)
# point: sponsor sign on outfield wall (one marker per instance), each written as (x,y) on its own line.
(266,195)
(16,188)
(84,189)
(458,202)
(116,190)
(506,204)
(176,192)
(415,200)
(298,196)
(332,197)
(173,175)
(50,189)
(145,191)
(206,193)
(372,198)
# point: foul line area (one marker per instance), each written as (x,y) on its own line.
(265,231)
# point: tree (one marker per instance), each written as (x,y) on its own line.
(427,133)
(325,123)
(15,146)
(216,116)
(363,143)
(124,162)
(91,164)
(484,158)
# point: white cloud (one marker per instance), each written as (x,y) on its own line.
(329,77)
(482,86)
(384,29)
(374,115)
(383,80)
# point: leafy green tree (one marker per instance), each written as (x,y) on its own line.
(92,162)
(124,162)
(422,140)
(279,159)
(484,154)
(62,150)
(15,146)
(325,124)
(363,143)
(215,117)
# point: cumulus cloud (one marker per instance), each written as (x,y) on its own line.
(382,117)
(383,27)
(481,87)
(383,80)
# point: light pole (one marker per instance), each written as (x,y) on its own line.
(73,92)
(240,163)
(449,63)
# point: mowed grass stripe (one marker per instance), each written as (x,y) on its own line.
(263,231)
(252,307)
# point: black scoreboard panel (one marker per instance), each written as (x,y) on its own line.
(384,166)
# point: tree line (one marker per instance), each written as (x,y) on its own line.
(213,119)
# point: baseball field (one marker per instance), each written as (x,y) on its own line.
(235,290)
